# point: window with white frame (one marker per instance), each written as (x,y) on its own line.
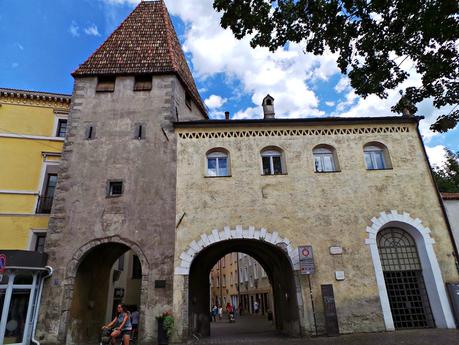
(324,159)
(217,163)
(376,156)
(272,162)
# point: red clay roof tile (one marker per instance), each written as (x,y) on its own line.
(145,42)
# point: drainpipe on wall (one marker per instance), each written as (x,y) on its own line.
(37,309)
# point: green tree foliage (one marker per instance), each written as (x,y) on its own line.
(447,178)
(372,38)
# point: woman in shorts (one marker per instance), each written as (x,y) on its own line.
(121,325)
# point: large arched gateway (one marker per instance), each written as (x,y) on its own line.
(274,254)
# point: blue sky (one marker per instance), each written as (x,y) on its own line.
(43,41)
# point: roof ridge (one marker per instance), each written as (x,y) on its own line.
(169,39)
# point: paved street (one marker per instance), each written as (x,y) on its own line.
(255,331)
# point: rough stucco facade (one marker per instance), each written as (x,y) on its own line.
(142,219)
(304,207)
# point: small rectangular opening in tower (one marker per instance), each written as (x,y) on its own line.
(188,99)
(115,188)
(105,84)
(142,82)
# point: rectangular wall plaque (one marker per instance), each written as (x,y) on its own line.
(160,284)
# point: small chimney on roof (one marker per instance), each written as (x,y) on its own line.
(227,117)
(268,107)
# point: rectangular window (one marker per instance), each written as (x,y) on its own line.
(136,268)
(121,263)
(61,128)
(40,243)
(324,162)
(45,201)
(90,132)
(142,83)
(115,188)
(106,84)
(139,132)
(17,315)
(266,166)
(374,160)
(277,165)
(188,100)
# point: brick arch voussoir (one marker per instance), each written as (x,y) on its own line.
(207,239)
(378,223)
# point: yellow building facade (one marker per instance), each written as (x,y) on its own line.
(32,133)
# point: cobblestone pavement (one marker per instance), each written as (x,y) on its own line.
(258,331)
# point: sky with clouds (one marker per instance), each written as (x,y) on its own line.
(43,41)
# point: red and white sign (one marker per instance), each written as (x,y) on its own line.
(2,263)
(306,260)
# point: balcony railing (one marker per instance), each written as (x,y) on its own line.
(44,204)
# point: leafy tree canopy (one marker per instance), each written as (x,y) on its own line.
(372,38)
(447,177)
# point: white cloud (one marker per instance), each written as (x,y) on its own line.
(284,74)
(74,29)
(437,155)
(15,64)
(330,103)
(214,102)
(287,74)
(343,84)
(92,30)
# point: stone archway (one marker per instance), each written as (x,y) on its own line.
(86,284)
(274,253)
(431,270)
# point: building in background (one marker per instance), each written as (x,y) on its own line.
(32,130)
(255,293)
(451,202)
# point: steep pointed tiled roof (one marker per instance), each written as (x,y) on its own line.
(145,42)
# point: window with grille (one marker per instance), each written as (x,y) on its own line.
(408,299)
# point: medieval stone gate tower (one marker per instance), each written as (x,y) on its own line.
(117,182)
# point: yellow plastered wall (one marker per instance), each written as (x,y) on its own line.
(28,120)
(22,166)
(15,230)
(22,162)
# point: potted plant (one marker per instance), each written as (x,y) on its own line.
(165,327)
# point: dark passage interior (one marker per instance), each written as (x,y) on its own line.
(90,296)
(277,266)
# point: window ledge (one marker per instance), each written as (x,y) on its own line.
(113,196)
(283,174)
(380,169)
(206,176)
(327,172)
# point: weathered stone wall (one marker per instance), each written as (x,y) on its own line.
(143,218)
(320,209)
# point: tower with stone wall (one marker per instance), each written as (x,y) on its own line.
(117,182)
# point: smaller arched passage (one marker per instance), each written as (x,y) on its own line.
(277,265)
(430,269)
(89,274)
